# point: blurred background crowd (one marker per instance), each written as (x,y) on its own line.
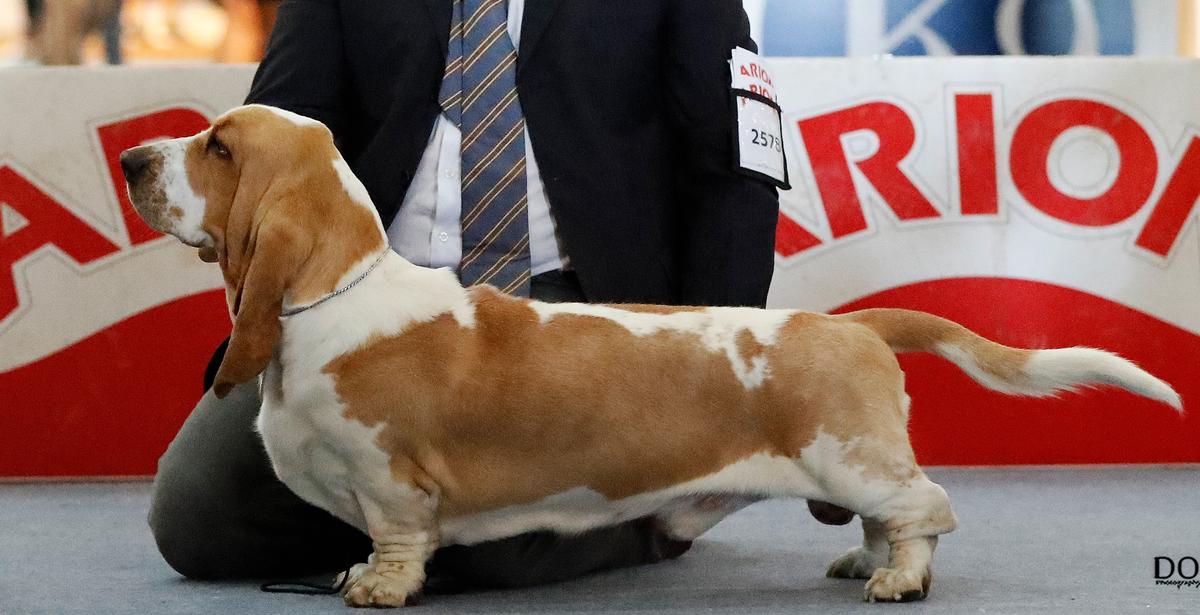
(54,32)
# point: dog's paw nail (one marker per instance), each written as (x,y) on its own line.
(892,585)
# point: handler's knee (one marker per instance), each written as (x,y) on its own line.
(205,477)
(186,528)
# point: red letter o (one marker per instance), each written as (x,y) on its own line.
(1031,148)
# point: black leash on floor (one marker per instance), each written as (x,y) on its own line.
(304,587)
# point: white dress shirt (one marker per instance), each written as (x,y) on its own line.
(427,230)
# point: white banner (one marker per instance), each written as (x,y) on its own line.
(1041,202)
(890,203)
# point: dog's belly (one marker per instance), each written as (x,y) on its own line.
(569,512)
(331,461)
(326,459)
(580,509)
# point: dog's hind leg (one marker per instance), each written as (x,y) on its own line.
(903,511)
(404,535)
(861,562)
(910,521)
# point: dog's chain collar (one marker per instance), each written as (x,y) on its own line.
(352,284)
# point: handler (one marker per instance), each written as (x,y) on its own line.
(567,150)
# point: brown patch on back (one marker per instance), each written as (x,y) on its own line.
(748,346)
(512,411)
(655,309)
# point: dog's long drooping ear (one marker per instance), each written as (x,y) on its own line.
(273,257)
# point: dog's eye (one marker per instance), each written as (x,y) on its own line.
(218,148)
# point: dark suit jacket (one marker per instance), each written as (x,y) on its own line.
(629,113)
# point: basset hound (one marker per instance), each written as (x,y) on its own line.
(428,414)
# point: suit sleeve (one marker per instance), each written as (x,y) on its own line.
(727,220)
(303,68)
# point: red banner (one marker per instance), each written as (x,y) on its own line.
(1043,203)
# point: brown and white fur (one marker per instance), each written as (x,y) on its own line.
(430,414)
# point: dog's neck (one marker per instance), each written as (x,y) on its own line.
(341,288)
(347,239)
(395,295)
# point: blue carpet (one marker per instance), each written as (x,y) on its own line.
(1030,540)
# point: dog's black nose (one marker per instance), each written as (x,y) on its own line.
(134,162)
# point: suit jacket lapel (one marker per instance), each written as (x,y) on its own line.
(538,14)
(440,12)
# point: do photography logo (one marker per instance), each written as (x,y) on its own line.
(1177,573)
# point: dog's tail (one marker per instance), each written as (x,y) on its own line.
(1036,373)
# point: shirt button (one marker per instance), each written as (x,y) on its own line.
(443,236)
(449,174)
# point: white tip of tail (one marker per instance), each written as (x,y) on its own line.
(1068,369)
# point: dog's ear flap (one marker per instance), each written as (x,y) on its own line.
(274,260)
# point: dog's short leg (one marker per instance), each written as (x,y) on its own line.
(908,576)
(404,535)
(861,562)
(913,518)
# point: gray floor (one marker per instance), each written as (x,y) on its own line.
(1030,540)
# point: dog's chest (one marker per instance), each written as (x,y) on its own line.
(319,454)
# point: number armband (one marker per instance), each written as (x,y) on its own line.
(758,138)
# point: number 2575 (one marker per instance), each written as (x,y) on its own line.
(766,139)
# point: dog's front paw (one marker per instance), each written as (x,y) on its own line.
(368,586)
(857,563)
(895,585)
(344,580)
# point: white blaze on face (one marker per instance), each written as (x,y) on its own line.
(163,196)
(179,195)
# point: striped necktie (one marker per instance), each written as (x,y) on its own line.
(479,94)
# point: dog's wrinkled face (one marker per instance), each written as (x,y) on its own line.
(196,188)
(254,192)
(161,189)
